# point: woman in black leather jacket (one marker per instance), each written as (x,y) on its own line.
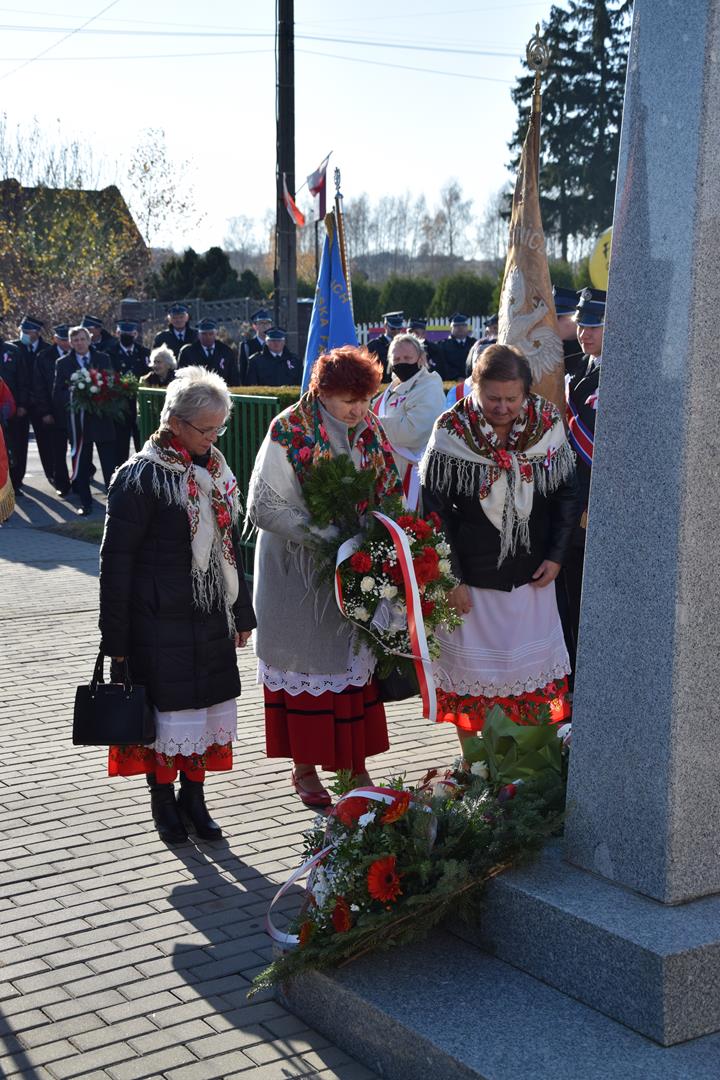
(500,474)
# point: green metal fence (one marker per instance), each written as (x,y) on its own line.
(248,423)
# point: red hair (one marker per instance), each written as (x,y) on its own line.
(349,370)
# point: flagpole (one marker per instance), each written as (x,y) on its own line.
(537,55)
(341,236)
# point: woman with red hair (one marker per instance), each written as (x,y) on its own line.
(321,700)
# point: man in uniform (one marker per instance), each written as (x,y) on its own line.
(41,397)
(275,365)
(261,321)
(418,327)
(100,339)
(29,345)
(210,353)
(128,358)
(582,403)
(89,430)
(394,323)
(453,351)
(566,301)
(179,331)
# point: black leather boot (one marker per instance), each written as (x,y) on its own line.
(191,803)
(165,812)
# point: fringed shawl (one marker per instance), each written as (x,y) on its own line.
(464,457)
(209,496)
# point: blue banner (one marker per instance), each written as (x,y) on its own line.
(331,322)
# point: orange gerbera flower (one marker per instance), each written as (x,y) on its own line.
(304,933)
(397,809)
(341,915)
(383,880)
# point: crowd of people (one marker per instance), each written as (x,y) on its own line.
(499,469)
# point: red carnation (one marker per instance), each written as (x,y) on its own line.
(361,562)
(427,607)
(436,520)
(393,571)
(341,915)
(426,566)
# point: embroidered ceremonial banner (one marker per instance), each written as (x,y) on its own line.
(527,317)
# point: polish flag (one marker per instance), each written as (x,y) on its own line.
(317,186)
(290,205)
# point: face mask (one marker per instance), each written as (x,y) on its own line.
(128,340)
(405,371)
(25,338)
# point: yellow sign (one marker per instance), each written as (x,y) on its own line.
(599,262)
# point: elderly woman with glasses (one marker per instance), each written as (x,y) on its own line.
(173,600)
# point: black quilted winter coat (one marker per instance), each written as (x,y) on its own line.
(183,656)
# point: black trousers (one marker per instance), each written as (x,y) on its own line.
(19,437)
(123,433)
(568,589)
(106,453)
(60,448)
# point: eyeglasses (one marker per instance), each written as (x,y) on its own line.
(207,433)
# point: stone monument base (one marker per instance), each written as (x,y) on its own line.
(443,1008)
(653,967)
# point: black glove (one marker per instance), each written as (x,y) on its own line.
(117,671)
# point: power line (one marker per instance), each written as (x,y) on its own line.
(405,67)
(258,33)
(55,44)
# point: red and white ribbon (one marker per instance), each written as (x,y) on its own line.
(291,941)
(416,626)
(411,476)
(77,436)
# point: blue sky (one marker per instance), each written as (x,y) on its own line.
(405,94)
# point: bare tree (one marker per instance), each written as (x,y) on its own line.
(492,232)
(456,213)
(158,191)
(36,158)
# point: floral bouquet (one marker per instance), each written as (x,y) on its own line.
(371,587)
(389,863)
(102,392)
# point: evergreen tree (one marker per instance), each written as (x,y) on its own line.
(465,292)
(582,111)
(409,294)
(209,277)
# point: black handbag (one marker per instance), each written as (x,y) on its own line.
(112,714)
(397,685)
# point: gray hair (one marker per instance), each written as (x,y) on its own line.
(79,330)
(163,353)
(192,390)
(411,339)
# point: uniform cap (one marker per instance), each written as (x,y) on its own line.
(276,334)
(178,309)
(591,307)
(28,323)
(566,300)
(395,319)
(261,315)
(126,327)
(61,331)
(459,319)
(91,321)
(417,324)
(206,324)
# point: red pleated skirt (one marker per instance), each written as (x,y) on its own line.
(336,730)
(546,705)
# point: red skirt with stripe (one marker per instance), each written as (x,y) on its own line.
(336,730)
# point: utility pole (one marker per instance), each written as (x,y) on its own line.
(285,252)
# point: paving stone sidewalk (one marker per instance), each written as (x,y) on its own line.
(120,957)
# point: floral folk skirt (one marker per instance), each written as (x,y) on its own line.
(191,741)
(510,652)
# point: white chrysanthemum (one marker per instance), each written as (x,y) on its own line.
(442,548)
(367,584)
(444,566)
(365,819)
(388,592)
(94,389)
(479,768)
(362,614)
